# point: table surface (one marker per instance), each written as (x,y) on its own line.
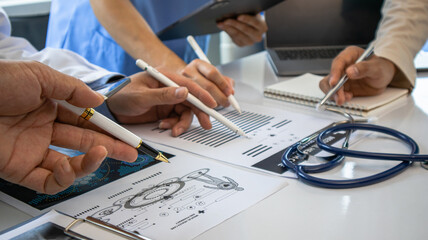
(394,209)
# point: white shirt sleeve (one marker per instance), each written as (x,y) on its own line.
(65,61)
(402,32)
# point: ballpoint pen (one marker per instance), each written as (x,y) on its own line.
(192,99)
(366,54)
(201,55)
(114,129)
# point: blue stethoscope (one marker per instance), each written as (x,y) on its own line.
(295,152)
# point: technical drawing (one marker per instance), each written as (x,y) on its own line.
(193,192)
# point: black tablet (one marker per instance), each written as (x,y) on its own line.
(204,20)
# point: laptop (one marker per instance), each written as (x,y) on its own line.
(304,36)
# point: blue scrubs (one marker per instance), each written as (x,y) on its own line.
(73,26)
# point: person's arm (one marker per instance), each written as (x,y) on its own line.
(130,30)
(402,32)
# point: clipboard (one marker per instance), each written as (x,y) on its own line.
(204,20)
(54,224)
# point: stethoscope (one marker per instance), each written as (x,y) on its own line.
(295,154)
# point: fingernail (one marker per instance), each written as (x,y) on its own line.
(181,92)
(102,160)
(101,95)
(164,125)
(220,25)
(353,71)
(66,165)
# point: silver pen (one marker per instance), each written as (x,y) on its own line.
(192,99)
(366,54)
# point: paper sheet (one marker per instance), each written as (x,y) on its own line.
(270,130)
(179,200)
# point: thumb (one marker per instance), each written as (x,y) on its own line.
(167,95)
(60,86)
(359,70)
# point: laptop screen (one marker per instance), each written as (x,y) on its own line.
(305,23)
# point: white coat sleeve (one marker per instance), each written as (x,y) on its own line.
(401,33)
(65,61)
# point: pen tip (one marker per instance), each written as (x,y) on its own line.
(320,107)
(242,133)
(161,157)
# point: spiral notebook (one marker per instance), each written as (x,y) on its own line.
(304,90)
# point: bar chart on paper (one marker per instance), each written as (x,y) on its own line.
(270,131)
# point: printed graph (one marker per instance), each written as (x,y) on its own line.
(220,135)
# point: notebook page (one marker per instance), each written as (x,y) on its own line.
(305,87)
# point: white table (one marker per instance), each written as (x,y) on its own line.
(394,209)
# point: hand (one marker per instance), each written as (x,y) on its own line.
(210,79)
(245,30)
(145,100)
(366,78)
(30,122)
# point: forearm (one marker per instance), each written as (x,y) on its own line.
(401,34)
(131,31)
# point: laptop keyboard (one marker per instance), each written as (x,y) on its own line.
(302,54)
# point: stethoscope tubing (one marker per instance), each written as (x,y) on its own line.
(413,156)
(302,171)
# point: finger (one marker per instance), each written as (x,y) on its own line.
(194,89)
(339,97)
(203,118)
(168,123)
(231,81)
(237,36)
(185,120)
(215,92)
(348,96)
(65,170)
(345,58)
(211,73)
(324,84)
(257,22)
(163,96)
(51,181)
(81,139)
(84,164)
(63,87)
(363,69)
(251,33)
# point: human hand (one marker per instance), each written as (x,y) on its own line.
(210,79)
(30,123)
(245,30)
(366,78)
(146,100)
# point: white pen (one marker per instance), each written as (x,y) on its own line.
(114,129)
(201,55)
(192,99)
(366,54)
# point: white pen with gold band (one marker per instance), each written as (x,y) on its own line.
(114,129)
